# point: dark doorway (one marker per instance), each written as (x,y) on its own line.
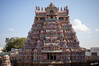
(51,56)
(55,57)
(47,56)
(51,17)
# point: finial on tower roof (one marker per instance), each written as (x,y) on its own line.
(61,8)
(67,10)
(51,5)
(42,8)
(39,8)
(66,7)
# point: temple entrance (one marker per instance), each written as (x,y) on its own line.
(51,56)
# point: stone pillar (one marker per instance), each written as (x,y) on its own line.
(49,56)
(53,57)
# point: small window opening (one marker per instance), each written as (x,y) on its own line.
(60,18)
(51,12)
(51,17)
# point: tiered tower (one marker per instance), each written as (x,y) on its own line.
(52,38)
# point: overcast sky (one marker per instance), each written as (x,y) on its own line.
(17,16)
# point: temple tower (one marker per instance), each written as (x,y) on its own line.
(52,38)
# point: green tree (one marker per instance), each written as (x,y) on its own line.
(14,42)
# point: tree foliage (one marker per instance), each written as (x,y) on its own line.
(14,42)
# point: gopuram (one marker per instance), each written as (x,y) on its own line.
(51,41)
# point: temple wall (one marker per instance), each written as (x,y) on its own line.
(88,63)
(43,64)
